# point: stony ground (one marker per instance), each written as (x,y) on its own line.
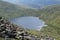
(8,30)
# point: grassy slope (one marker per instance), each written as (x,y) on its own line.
(11,10)
(51,15)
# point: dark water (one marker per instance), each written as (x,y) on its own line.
(35,3)
(29,22)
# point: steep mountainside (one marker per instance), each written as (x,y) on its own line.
(50,14)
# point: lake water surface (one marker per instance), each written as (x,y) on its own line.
(29,22)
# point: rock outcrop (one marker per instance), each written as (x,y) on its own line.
(8,30)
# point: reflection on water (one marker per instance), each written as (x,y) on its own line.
(29,22)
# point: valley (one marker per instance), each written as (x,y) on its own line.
(50,15)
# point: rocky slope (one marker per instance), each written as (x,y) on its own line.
(8,30)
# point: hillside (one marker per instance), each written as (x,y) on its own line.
(50,14)
(10,9)
(35,3)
